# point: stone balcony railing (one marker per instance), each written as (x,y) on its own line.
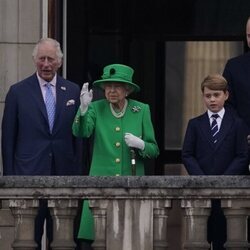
(131,213)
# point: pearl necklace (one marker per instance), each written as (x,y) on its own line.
(121,113)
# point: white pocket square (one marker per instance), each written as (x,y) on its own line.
(70,102)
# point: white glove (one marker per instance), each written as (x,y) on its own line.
(133,141)
(85,97)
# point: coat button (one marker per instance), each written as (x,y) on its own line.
(117,160)
(118,144)
(117,129)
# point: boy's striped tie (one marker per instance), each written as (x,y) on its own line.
(214,128)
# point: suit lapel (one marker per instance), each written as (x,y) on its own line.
(35,91)
(247,66)
(61,92)
(224,129)
(226,124)
(205,128)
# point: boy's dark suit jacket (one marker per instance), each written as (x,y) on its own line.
(27,145)
(228,156)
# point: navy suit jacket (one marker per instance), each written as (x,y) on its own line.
(28,147)
(237,73)
(228,156)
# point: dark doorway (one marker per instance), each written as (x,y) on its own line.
(118,31)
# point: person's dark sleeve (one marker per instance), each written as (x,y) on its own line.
(9,132)
(188,152)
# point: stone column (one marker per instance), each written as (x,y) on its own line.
(24,212)
(196,213)
(236,212)
(99,210)
(161,210)
(7,226)
(126,224)
(63,213)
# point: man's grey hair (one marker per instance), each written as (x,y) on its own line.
(52,42)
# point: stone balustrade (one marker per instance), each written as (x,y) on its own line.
(131,213)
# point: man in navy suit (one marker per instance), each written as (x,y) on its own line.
(224,152)
(29,145)
(237,73)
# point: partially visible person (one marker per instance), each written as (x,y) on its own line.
(237,73)
(37,122)
(118,124)
(215,143)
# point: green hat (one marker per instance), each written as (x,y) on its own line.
(117,73)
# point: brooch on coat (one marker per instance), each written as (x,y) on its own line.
(136,109)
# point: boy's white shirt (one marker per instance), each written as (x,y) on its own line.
(219,119)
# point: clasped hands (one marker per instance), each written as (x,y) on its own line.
(248,140)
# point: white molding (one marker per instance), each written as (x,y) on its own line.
(44,18)
(64,69)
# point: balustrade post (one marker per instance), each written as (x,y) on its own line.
(236,212)
(196,213)
(7,226)
(24,212)
(63,213)
(99,210)
(161,210)
(130,224)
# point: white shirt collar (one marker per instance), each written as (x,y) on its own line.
(42,82)
(220,113)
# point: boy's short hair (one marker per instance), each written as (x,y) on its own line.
(214,82)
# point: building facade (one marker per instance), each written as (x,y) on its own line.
(172,45)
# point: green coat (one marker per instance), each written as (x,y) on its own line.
(111,155)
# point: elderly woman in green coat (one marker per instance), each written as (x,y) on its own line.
(118,124)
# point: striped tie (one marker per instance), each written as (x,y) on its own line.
(50,105)
(214,128)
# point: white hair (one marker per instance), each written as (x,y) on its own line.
(52,42)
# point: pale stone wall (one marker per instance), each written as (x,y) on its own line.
(20,29)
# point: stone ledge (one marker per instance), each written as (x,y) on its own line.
(125,181)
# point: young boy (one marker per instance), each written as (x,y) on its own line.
(215,144)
